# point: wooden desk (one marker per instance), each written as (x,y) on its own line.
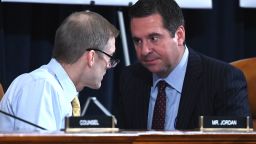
(128,137)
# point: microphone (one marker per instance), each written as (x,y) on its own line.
(99,105)
(20,119)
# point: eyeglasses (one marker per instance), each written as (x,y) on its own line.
(113,61)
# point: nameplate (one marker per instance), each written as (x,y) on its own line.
(224,123)
(90,124)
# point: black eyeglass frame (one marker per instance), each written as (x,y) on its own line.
(113,61)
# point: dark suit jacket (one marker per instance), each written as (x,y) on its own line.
(211,88)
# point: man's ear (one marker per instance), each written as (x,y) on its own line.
(90,57)
(180,33)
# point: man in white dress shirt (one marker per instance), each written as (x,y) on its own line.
(83,51)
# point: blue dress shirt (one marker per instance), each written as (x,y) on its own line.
(173,93)
(42,97)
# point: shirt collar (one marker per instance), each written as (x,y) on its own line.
(66,83)
(176,78)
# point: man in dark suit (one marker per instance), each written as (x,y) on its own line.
(196,84)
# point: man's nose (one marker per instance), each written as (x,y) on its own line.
(146,48)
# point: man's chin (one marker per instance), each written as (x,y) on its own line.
(158,71)
(151,68)
(98,86)
(95,86)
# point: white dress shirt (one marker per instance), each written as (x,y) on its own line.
(42,97)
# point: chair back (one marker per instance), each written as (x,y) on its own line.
(248,67)
(1,91)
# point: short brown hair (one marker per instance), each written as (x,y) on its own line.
(80,31)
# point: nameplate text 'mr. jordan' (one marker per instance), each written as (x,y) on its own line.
(223,123)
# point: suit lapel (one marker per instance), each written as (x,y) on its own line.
(146,98)
(189,91)
(143,86)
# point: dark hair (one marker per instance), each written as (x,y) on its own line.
(169,10)
(79,32)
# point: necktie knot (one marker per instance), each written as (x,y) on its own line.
(161,85)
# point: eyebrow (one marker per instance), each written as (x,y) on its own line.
(154,34)
(149,35)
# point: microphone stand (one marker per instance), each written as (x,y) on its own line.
(22,120)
